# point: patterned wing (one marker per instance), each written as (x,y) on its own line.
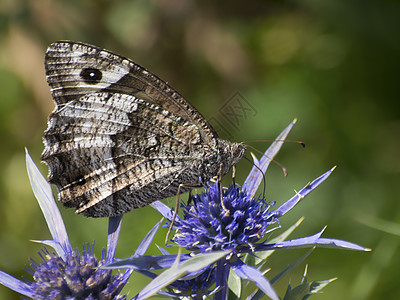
(111,144)
(75,69)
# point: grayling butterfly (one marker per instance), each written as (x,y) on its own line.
(119,137)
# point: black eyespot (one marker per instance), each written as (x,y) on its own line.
(80,180)
(91,75)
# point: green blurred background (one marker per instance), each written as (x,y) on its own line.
(334,65)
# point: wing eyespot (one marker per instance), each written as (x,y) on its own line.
(91,75)
(80,180)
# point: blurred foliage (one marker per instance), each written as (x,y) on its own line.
(331,64)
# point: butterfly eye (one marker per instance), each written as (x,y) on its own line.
(91,75)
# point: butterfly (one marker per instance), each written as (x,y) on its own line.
(119,137)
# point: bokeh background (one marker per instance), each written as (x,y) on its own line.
(334,65)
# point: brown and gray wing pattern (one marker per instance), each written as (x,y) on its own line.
(75,69)
(111,153)
(119,137)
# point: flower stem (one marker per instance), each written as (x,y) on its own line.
(222,279)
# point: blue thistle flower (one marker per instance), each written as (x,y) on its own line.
(65,273)
(76,277)
(235,225)
(198,287)
(239,223)
(220,234)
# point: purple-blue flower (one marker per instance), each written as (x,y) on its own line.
(78,276)
(197,286)
(237,225)
(221,236)
(65,273)
(238,222)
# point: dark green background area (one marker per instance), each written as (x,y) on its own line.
(334,65)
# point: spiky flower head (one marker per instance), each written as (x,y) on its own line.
(195,288)
(65,273)
(236,223)
(74,277)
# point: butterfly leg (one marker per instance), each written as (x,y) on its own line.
(183,185)
(190,198)
(233,175)
(219,176)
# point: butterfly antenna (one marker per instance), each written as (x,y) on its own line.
(263,175)
(301,143)
(272,160)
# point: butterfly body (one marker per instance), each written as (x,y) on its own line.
(119,137)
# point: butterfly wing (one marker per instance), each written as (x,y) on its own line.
(119,137)
(75,69)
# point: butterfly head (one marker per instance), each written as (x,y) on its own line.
(238,150)
(230,154)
